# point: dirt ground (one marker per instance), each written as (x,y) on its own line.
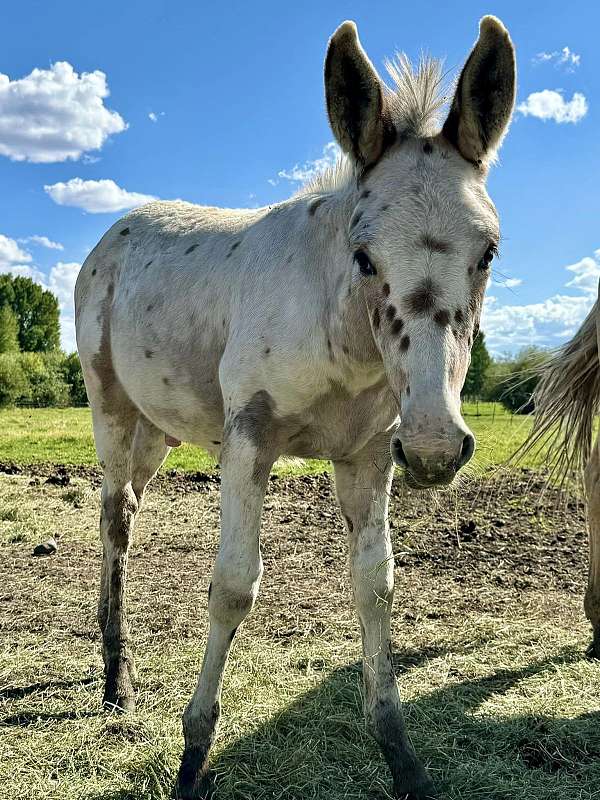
(502,551)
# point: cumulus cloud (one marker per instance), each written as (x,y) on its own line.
(302,173)
(60,281)
(43,241)
(55,114)
(565,58)
(11,254)
(511,327)
(97,197)
(550,104)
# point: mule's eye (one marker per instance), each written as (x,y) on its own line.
(488,257)
(364,263)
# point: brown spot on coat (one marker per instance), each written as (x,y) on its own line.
(397,326)
(390,312)
(94,271)
(386,289)
(459,316)
(422,299)
(148,353)
(434,245)
(125,232)
(427,148)
(147,264)
(442,317)
(267,350)
(376,319)
(190,249)
(365,193)
(404,343)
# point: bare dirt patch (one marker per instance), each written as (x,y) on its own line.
(488,628)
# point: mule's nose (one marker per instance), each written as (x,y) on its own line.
(428,467)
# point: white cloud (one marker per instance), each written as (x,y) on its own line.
(43,241)
(302,173)
(153,116)
(508,283)
(60,280)
(97,197)
(565,58)
(11,253)
(55,114)
(510,327)
(550,104)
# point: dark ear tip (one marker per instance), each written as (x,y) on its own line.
(491,27)
(347,30)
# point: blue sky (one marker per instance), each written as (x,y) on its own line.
(104,104)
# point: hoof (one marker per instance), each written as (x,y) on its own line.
(593,651)
(120,705)
(194,781)
(415,787)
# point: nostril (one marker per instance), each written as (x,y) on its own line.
(400,458)
(467,450)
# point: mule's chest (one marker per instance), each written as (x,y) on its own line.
(337,425)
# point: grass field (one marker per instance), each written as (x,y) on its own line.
(64,436)
(489,634)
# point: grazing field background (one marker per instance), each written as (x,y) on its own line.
(64,435)
(488,631)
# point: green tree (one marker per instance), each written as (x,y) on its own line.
(480,363)
(71,370)
(9,331)
(36,310)
(514,380)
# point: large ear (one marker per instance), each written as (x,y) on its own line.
(485,95)
(355,99)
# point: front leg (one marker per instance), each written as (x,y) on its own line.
(245,467)
(363,485)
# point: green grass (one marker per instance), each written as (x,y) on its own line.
(64,435)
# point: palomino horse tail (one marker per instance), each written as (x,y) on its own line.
(566,400)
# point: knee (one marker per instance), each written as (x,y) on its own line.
(373,577)
(118,512)
(233,590)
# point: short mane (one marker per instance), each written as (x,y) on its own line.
(415,99)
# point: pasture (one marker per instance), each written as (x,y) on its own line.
(488,632)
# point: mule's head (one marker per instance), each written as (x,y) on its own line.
(423,231)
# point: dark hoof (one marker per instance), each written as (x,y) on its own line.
(415,789)
(194,781)
(593,651)
(120,705)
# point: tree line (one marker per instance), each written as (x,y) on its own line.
(35,371)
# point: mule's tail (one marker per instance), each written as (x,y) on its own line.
(566,400)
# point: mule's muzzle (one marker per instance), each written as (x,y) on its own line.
(424,471)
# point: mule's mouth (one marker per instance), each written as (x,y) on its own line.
(427,482)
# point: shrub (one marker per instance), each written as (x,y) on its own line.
(46,384)
(515,380)
(13,381)
(71,370)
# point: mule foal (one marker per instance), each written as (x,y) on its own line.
(363,487)
(233,590)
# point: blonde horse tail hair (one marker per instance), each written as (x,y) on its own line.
(566,400)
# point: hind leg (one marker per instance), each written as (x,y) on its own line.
(131,450)
(592,595)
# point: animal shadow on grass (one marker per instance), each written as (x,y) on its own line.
(319,749)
